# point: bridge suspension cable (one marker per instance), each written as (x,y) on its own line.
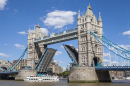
(123,53)
(17,62)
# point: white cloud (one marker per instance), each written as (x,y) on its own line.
(59,19)
(19,46)
(105,60)
(44,30)
(106,54)
(126,32)
(4,55)
(114,62)
(71,45)
(22,32)
(58,61)
(61,46)
(2,4)
(125,46)
(58,52)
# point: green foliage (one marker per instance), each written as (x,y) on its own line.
(65,73)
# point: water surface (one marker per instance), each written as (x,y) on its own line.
(62,83)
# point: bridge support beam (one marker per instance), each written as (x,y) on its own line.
(88,74)
(24,73)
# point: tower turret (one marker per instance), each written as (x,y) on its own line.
(100,20)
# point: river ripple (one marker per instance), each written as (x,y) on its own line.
(63,83)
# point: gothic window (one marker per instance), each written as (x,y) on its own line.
(83,58)
(95,48)
(91,20)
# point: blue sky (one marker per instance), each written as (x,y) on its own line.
(17,16)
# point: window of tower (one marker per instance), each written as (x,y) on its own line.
(91,20)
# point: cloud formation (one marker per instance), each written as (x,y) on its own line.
(106,54)
(2,4)
(125,46)
(4,55)
(126,32)
(44,30)
(22,32)
(58,52)
(105,60)
(19,46)
(59,19)
(58,61)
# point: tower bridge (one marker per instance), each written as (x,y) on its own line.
(87,62)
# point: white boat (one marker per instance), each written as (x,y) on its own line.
(128,78)
(45,78)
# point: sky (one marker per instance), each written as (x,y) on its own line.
(17,16)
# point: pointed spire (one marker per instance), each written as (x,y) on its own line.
(79,14)
(46,34)
(89,10)
(89,6)
(29,30)
(38,25)
(100,19)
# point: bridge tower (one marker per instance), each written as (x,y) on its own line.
(35,51)
(90,50)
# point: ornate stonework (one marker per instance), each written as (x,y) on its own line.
(35,51)
(88,46)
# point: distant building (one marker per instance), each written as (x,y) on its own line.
(22,63)
(5,64)
(54,67)
(63,69)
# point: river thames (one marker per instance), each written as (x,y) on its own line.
(62,83)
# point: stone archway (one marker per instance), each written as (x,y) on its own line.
(96,62)
(5,68)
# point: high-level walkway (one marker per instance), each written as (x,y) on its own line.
(59,37)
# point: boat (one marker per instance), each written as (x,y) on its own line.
(128,78)
(45,78)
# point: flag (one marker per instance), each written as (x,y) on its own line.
(48,29)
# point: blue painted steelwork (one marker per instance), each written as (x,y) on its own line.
(2,69)
(41,74)
(40,61)
(13,72)
(18,61)
(70,55)
(124,50)
(113,68)
(120,52)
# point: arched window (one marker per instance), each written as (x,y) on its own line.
(95,48)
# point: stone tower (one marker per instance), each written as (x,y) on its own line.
(90,50)
(35,51)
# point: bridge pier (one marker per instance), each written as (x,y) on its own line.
(24,73)
(88,74)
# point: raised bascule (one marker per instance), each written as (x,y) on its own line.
(87,61)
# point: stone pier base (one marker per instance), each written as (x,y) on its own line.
(88,74)
(24,73)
